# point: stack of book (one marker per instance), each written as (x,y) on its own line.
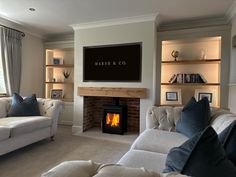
(187,78)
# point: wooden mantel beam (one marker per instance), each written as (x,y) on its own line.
(113,92)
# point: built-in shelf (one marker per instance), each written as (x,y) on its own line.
(59,82)
(205,61)
(61,66)
(192,84)
(112,92)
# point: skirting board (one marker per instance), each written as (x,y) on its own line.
(65,123)
(76,129)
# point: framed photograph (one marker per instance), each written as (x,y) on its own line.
(57,61)
(203,95)
(209,93)
(171,96)
(57,93)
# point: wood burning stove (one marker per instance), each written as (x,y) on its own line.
(115,118)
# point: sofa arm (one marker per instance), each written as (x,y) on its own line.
(163,118)
(51,108)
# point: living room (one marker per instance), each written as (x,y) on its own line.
(63,36)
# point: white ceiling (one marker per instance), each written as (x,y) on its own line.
(55,16)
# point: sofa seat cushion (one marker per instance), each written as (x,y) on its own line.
(149,160)
(158,140)
(22,125)
(4,133)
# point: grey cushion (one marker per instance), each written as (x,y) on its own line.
(228,138)
(24,107)
(158,140)
(149,160)
(201,156)
(195,117)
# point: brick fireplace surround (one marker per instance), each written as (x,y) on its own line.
(93,111)
(96,98)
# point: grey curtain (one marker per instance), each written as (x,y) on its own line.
(10,51)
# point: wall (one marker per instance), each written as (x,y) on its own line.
(32,67)
(232,83)
(32,73)
(117,34)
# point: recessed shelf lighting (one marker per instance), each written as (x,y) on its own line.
(32,9)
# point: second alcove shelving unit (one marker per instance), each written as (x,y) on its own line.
(196,56)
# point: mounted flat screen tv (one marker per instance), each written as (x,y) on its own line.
(113,63)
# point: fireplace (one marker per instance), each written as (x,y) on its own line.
(114,118)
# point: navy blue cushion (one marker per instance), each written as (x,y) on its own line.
(228,139)
(194,118)
(201,156)
(24,107)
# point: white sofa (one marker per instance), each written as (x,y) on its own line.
(150,149)
(17,132)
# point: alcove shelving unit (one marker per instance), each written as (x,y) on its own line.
(54,73)
(196,56)
(63,52)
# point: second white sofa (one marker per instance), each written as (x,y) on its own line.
(150,149)
(17,132)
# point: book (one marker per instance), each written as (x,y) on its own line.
(173,79)
(203,78)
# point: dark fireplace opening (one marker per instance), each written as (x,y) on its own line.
(114,118)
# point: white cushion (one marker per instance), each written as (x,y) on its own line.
(4,133)
(158,140)
(91,169)
(73,169)
(149,160)
(21,125)
(4,106)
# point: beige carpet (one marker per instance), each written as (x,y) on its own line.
(33,160)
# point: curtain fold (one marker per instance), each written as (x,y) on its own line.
(10,51)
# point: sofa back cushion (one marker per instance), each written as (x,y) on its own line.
(4,107)
(166,117)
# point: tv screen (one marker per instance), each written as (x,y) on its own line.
(114,63)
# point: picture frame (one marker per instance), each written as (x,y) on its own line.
(171,96)
(57,61)
(56,93)
(209,93)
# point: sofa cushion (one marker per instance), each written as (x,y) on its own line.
(4,133)
(4,106)
(195,117)
(24,107)
(158,140)
(201,156)
(21,125)
(149,160)
(228,139)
